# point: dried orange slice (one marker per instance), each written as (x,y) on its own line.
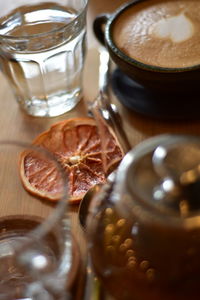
(77,146)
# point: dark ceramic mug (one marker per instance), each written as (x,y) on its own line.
(170,80)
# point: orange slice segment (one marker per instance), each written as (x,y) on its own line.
(40,176)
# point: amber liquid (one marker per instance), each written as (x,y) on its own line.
(143,261)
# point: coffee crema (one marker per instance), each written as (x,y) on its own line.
(162,33)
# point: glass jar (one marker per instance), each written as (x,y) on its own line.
(144,228)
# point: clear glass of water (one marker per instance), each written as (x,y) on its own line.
(42,51)
(38,255)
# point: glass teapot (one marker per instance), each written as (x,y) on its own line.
(143,229)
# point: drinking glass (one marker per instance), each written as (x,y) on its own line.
(42,53)
(36,260)
(144,228)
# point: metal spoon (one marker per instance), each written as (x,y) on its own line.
(85,203)
(102,108)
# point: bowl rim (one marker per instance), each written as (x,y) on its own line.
(131,61)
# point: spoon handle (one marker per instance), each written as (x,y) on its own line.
(104,68)
(101,107)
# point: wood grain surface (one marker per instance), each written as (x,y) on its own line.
(15,124)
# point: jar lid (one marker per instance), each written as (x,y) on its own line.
(163,173)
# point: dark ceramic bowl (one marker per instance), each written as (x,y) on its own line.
(174,80)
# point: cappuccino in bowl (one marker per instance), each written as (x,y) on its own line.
(160,33)
(156,43)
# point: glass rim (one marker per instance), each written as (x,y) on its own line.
(32,36)
(60,209)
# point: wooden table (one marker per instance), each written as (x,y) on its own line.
(15,124)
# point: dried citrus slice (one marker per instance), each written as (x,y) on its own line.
(77,146)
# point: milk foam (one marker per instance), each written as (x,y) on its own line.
(177,28)
(161,33)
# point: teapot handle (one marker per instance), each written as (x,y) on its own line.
(98,27)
